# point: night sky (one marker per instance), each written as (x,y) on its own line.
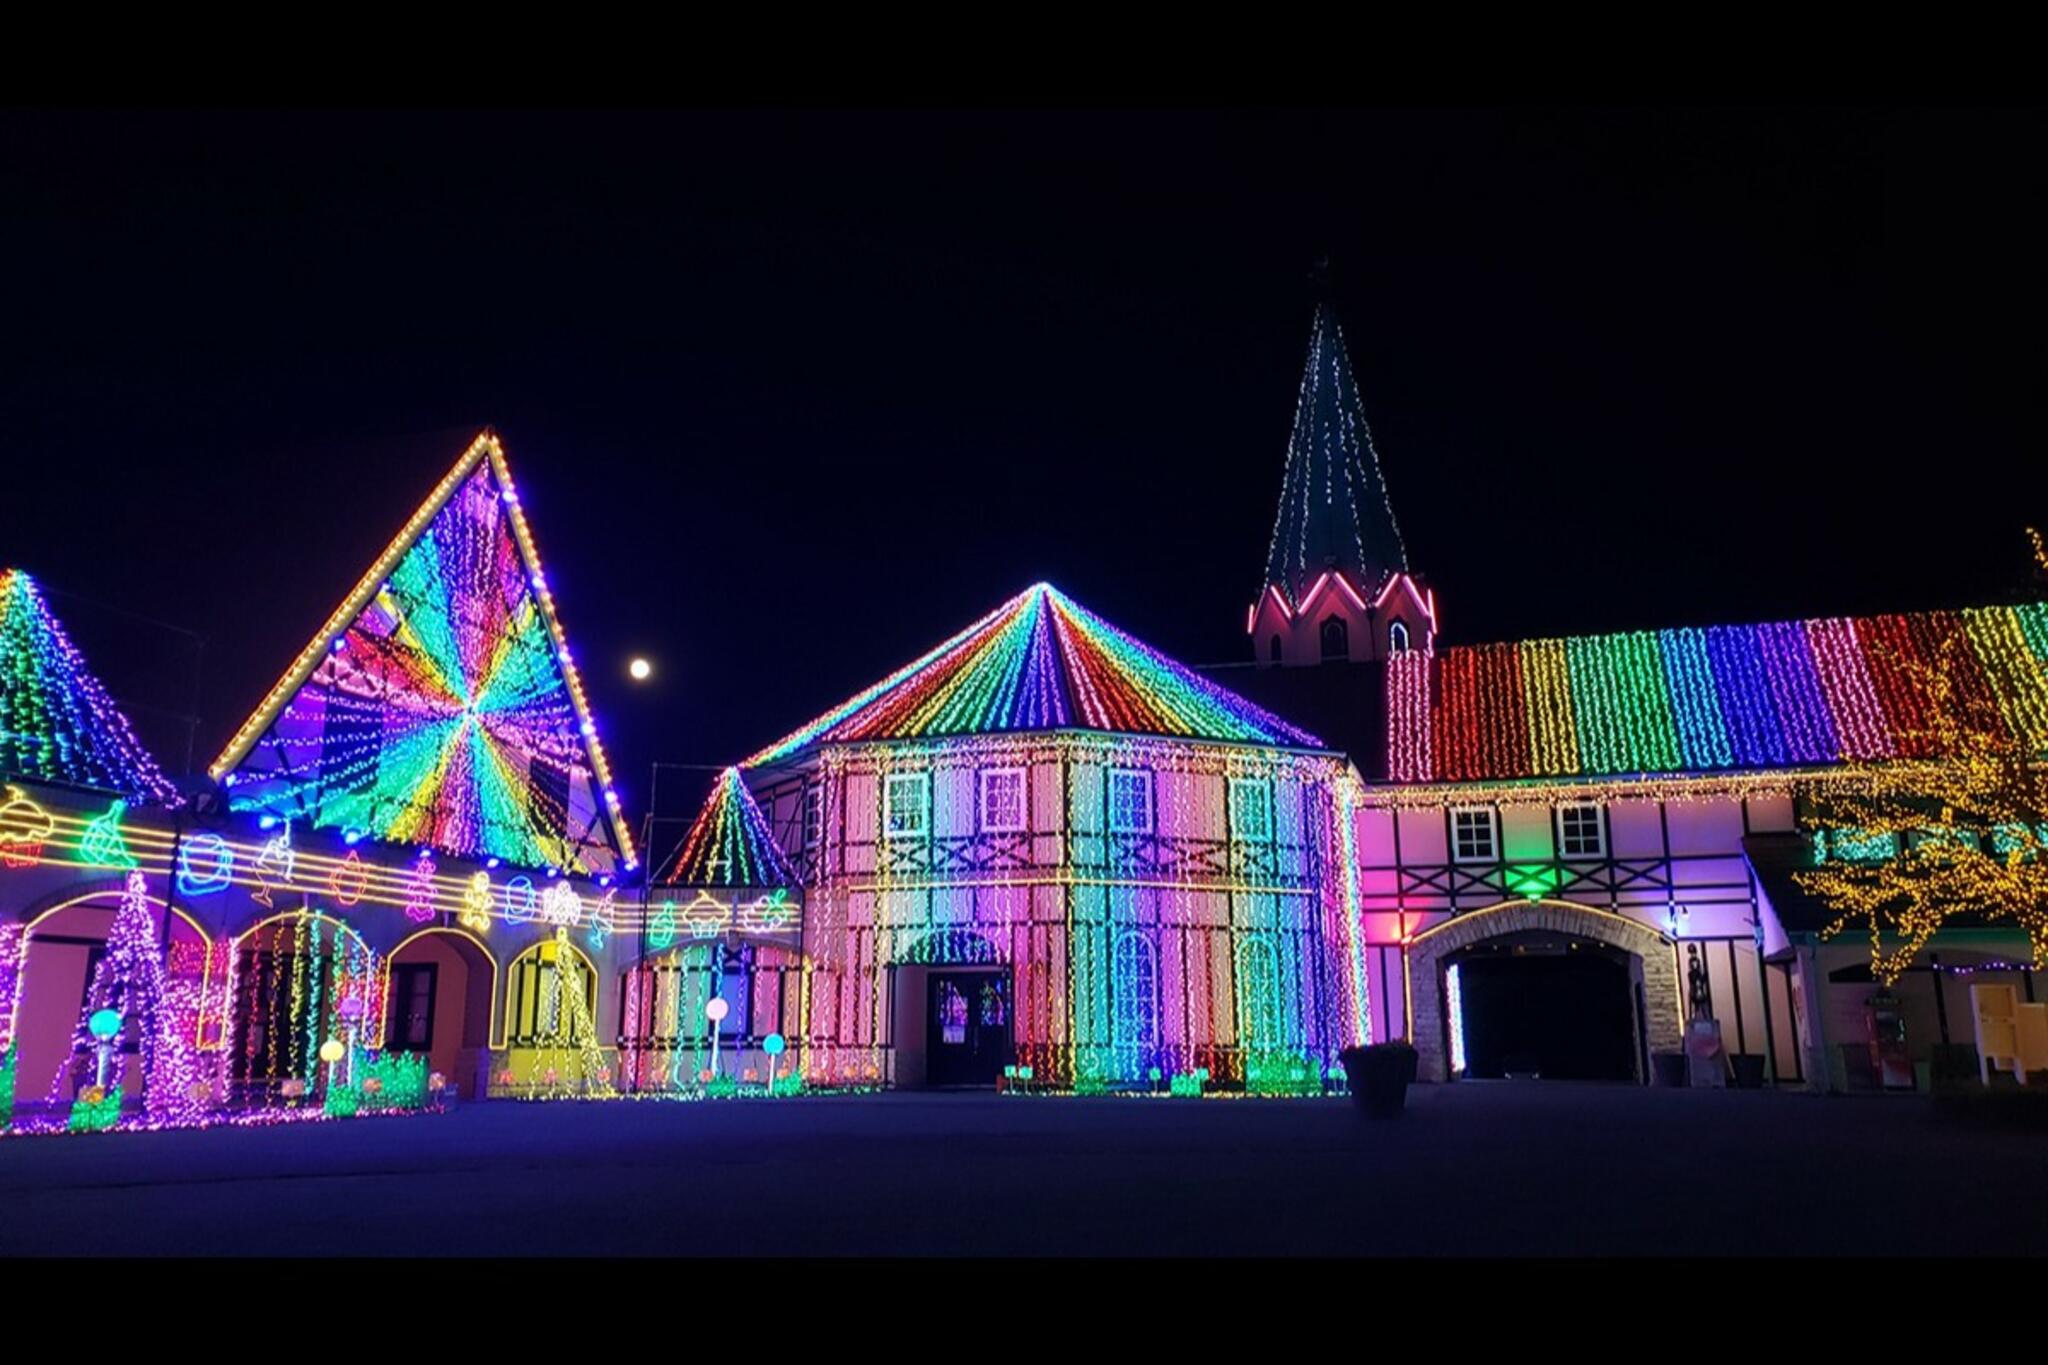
(791,397)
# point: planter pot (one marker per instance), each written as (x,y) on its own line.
(1669,1068)
(1379,1078)
(1749,1070)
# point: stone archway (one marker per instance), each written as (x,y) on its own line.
(1655,967)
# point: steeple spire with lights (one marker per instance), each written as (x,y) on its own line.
(1338,587)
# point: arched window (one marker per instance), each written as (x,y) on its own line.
(1258,996)
(1336,638)
(1133,994)
(1397,638)
(552,998)
(1273,649)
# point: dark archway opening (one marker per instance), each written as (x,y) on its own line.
(1544,1005)
(441,986)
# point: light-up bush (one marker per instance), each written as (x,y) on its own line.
(1282,1073)
(95,1109)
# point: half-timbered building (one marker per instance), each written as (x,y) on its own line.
(1569,849)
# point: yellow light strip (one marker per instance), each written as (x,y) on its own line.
(1466,916)
(351,606)
(1221,888)
(387,887)
(1621,787)
(586,726)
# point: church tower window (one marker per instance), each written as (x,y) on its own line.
(1336,638)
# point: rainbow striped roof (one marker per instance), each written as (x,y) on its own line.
(730,843)
(57,724)
(1041,661)
(1784,694)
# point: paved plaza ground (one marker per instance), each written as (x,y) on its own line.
(1475,1168)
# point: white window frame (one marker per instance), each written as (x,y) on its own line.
(1109,802)
(1599,849)
(814,815)
(890,783)
(1023,816)
(1397,638)
(1264,788)
(1492,854)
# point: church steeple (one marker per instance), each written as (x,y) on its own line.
(1337,578)
(1334,512)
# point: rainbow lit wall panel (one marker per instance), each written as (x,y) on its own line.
(1783,694)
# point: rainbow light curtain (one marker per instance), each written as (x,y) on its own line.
(1784,694)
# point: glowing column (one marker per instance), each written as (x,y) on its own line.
(1354,926)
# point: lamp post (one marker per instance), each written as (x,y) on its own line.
(351,1012)
(105,1026)
(715,1010)
(331,1052)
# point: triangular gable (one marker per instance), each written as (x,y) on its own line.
(439,706)
(730,843)
(57,724)
(1041,661)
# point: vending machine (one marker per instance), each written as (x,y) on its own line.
(1887,1028)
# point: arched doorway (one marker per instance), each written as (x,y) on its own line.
(295,981)
(552,1041)
(440,984)
(1483,944)
(1543,1006)
(955,1012)
(61,949)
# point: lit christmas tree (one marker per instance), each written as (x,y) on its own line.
(57,724)
(121,1014)
(568,1035)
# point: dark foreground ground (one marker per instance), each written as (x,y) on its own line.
(1501,1169)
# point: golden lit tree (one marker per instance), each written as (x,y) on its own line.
(1906,846)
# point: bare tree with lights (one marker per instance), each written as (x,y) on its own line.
(1964,832)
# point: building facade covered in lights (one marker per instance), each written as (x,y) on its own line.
(1045,846)
(1567,849)
(412,845)
(1041,853)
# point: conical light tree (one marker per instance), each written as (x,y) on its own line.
(121,1015)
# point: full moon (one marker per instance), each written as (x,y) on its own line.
(640,669)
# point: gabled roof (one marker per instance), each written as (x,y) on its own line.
(439,705)
(1041,661)
(730,843)
(1784,694)
(1334,512)
(57,724)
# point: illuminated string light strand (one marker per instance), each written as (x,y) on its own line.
(1780,695)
